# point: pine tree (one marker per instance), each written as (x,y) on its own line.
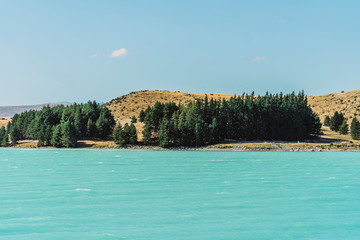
(2,134)
(164,133)
(355,129)
(344,127)
(142,116)
(147,134)
(56,136)
(90,128)
(118,135)
(14,134)
(68,135)
(132,134)
(102,127)
(133,119)
(327,121)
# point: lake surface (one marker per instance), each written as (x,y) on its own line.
(179,195)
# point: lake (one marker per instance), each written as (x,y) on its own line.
(70,194)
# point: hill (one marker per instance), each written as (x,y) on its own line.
(124,107)
(346,102)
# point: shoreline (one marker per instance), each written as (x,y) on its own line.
(243,147)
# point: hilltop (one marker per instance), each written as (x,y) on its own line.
(346,102)
(124,107)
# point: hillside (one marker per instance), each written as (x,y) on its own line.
(126,106)
(347,102)
(131,104)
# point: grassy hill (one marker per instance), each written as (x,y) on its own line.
(126,106)
(347,102)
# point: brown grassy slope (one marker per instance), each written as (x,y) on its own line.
(4,121)
(126,106)
(131,104)
(348,103)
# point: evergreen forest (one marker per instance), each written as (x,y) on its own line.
(246,117)
(60,126)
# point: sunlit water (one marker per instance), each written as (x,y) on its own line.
(178,195)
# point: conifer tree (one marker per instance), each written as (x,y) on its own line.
(2,134)
(142,116)
(327,121)
(355,129)
(147,133)
(133,119)
(344,127)
(132,134)
(164,133)
(56,136)
(90,128)
(118,135)
(68,134)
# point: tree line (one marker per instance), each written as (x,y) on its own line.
(339,123)
(204,121)
(60,126)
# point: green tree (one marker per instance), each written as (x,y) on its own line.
(2,134)
(164,133)
(118,135)
(344,127)
(90,128)
(68,134)
(132,134)
(147,134)
(14,134)
(355,129)
(336,121)
(56,136)
(133,119)
(327,121)
(142,116)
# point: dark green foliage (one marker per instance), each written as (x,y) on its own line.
(132,134)
(327,121)
(344,127)
(68,134)
(355,129)
(164,131)
(336,121)
(142,116)
(3,137)
(126,135)
(133,119)
(269,117)
(90,120)
(14,134)
(118,135)
(56,137)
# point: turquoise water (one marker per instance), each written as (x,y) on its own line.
(178,195)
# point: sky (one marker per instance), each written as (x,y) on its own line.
(74,50)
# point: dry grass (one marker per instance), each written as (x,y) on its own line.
(348,103)
(4,121)
(96,144)
(131,104)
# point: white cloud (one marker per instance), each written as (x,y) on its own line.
(255,59)
(94,55)
(119,52)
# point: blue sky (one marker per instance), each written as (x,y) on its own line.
(79,50)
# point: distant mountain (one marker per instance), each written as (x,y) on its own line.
(9,111)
